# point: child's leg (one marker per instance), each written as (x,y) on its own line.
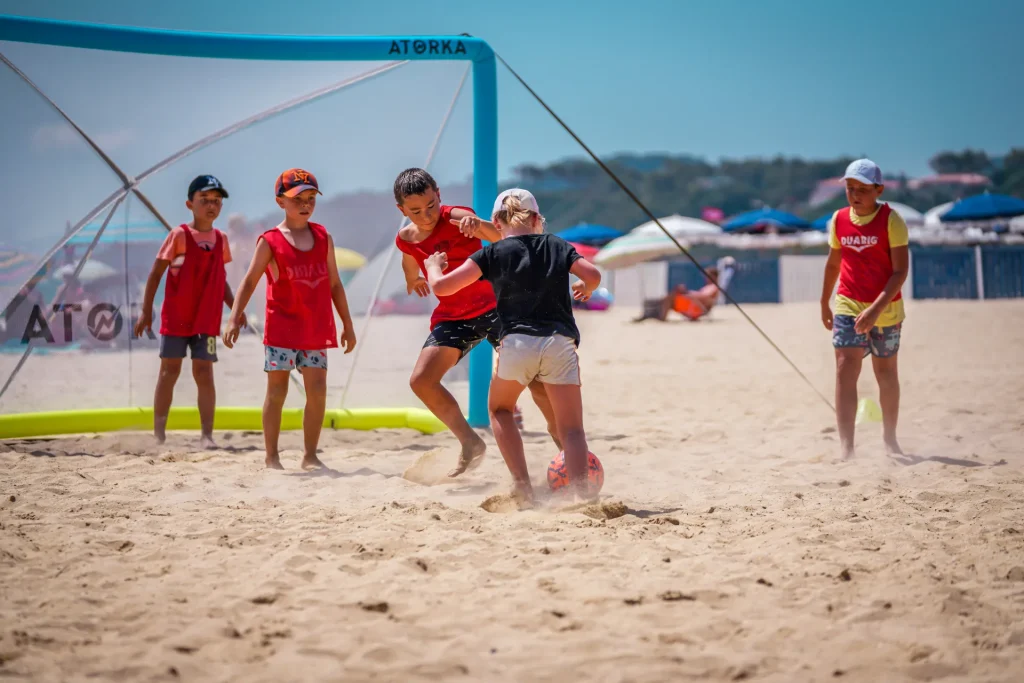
(433,363)
(889,398)
(543,401)
(206,394)
(172,352)
(560,373)
(850,349)
(314,379)
(848,364)
(501,404)
(170,368)
(204,354)
(885,346)
(278,365)
(567,401)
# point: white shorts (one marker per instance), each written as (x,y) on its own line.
(551,360)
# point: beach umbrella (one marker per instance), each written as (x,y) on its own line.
(821,223)
(348,259)
(648,241)
(909,214)
(984,207)
(587,251)
(15,266)
(131,233)
(759,219)
(678,226)
(92,271)
(633,249)
(933,216)
(588,233)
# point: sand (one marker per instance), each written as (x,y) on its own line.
(730,545)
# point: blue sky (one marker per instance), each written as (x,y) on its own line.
(732,78)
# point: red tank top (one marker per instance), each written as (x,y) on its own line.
(469,302)
(194,296)
(300,312)
(867,263)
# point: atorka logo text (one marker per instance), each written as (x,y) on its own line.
(427,47)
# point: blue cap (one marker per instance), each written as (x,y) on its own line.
(864,170)
(206,182)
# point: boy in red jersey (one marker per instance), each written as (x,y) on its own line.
(869,256)
(461,320)
(302,284)
(196,290)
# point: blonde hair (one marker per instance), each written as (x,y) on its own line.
(515,216)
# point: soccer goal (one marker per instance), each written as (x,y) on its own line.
(103,127)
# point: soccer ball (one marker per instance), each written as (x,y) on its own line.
(558,476)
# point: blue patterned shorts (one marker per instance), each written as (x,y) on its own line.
(276,358)
(881,342)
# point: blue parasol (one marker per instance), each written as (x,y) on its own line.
(590,234)
(757,220)
(983,207)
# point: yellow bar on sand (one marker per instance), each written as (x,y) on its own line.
(24,425)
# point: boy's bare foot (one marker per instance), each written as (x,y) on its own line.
(846,451)
(273,462)
(311,462)
(523,495)
(470,457)
(206,441)
(892,447)
(160,430)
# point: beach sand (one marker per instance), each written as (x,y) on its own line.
(729,544)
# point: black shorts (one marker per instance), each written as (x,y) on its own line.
(465,334)
(202,346)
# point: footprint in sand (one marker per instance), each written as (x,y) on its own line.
(431,468)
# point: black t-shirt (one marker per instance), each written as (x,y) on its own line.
(530,276)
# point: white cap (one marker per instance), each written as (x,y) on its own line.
(864,170)
(526,200)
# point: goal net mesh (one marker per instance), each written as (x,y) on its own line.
(76,246)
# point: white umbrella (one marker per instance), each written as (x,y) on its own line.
(92,271)
(933,216)
(678,226)
(909,214)
(633,249)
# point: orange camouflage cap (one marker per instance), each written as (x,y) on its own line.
(295,181)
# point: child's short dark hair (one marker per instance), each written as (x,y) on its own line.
(413,181)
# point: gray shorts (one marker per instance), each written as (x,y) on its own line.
(201,346)
(551,360)
(278,358)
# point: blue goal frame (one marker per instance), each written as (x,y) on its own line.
(316,48)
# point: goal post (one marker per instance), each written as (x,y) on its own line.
(322,49)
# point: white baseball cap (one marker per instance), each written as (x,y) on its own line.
(526,200)
(864,170)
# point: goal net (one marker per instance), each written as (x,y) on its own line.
(100,138)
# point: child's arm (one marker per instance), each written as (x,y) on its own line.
(145,321)
(348,334)
(446,285)
(832,266)
(590,279)
(260,261)
(900,267)
(472,225)
(414,282)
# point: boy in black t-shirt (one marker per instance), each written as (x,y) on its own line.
(529,271)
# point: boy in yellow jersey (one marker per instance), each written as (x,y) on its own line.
(869,256)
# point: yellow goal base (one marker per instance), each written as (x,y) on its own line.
(23,425)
